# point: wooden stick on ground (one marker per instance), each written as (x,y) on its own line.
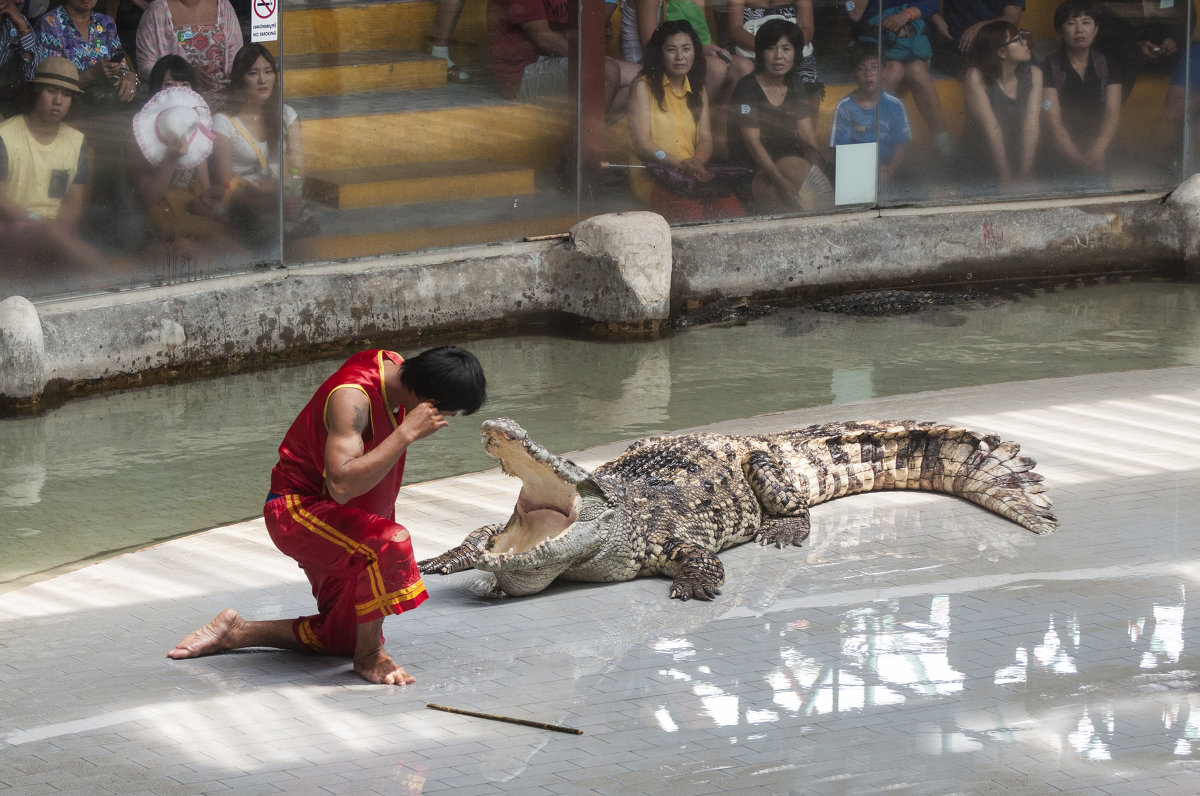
(509,719)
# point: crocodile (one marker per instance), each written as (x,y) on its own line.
(669,504)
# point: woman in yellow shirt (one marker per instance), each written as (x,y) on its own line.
(670,130)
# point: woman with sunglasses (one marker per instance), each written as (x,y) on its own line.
(1002,91)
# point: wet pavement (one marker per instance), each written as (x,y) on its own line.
(916,644)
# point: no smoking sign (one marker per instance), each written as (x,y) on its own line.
(264,25)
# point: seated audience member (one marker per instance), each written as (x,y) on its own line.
(247,153)
(18,54)
(906,54)
(867,109)
(43,174)
(771,128)
(1002,91)
(1081,95)
(89,40)
(640,18)
(670,132)
(1181,104)
(205,32)
(527,46)
(173,139)
(128,15)
(744,19)
(958,22)
(448,12)
(1143,36)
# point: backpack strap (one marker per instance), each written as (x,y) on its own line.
(1059,74)
(1100,64)
(1056,69)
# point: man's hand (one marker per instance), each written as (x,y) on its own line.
(422,421)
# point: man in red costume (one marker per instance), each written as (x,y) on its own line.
(332,506)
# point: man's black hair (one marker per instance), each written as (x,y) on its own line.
(449,376)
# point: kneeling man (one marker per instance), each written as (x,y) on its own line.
(332,506)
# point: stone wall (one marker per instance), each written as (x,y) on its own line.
(619,274)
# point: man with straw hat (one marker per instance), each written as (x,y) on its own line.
(43,174)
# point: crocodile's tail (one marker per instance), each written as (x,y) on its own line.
(908,454)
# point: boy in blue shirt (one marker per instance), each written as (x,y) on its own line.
(867,109)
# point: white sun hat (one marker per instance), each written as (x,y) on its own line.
(170,114)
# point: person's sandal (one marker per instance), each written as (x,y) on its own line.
(456,74)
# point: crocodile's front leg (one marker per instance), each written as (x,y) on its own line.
(456,559)
(696,572)
(784,498)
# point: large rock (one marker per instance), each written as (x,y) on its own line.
(1185,200)
(628,268)
(22,349)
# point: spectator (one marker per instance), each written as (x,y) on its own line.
(867,115)
(173,140)
(640,18)
(247,152)
(1143,37)
(448,12)
(745,18)
(128,15)
(18,51)
(205,32)
(958,23)
(1082,95)
(527,44)
(772,118)
(906,54)
(1002,91)
(43,174)
(1178,106)
(670,132)
(89,40)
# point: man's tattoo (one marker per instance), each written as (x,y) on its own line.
(362,415)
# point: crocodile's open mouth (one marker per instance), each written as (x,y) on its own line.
(547,506)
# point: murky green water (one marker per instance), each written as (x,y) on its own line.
(119,471)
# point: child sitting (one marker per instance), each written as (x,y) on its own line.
(867,110)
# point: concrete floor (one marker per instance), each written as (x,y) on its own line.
(916,644)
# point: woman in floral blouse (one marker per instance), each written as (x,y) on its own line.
(89,40)
(205,32)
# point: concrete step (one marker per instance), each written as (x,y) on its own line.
(323,74)
(427,125)
(397,184)
(364,232)
(330,26)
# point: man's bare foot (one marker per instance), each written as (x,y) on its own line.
(216,636)
(378,667)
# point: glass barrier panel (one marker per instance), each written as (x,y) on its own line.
(115,150)
(427,123)
(1180,108)
(1050,99)
(755,141)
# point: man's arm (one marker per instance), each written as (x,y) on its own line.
(1009,13)
(350,471)
(547,40)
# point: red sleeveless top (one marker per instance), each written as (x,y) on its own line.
(301,466)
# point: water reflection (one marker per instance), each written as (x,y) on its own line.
(125,469)
(1076,685)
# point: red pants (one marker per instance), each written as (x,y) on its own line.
(358,571)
